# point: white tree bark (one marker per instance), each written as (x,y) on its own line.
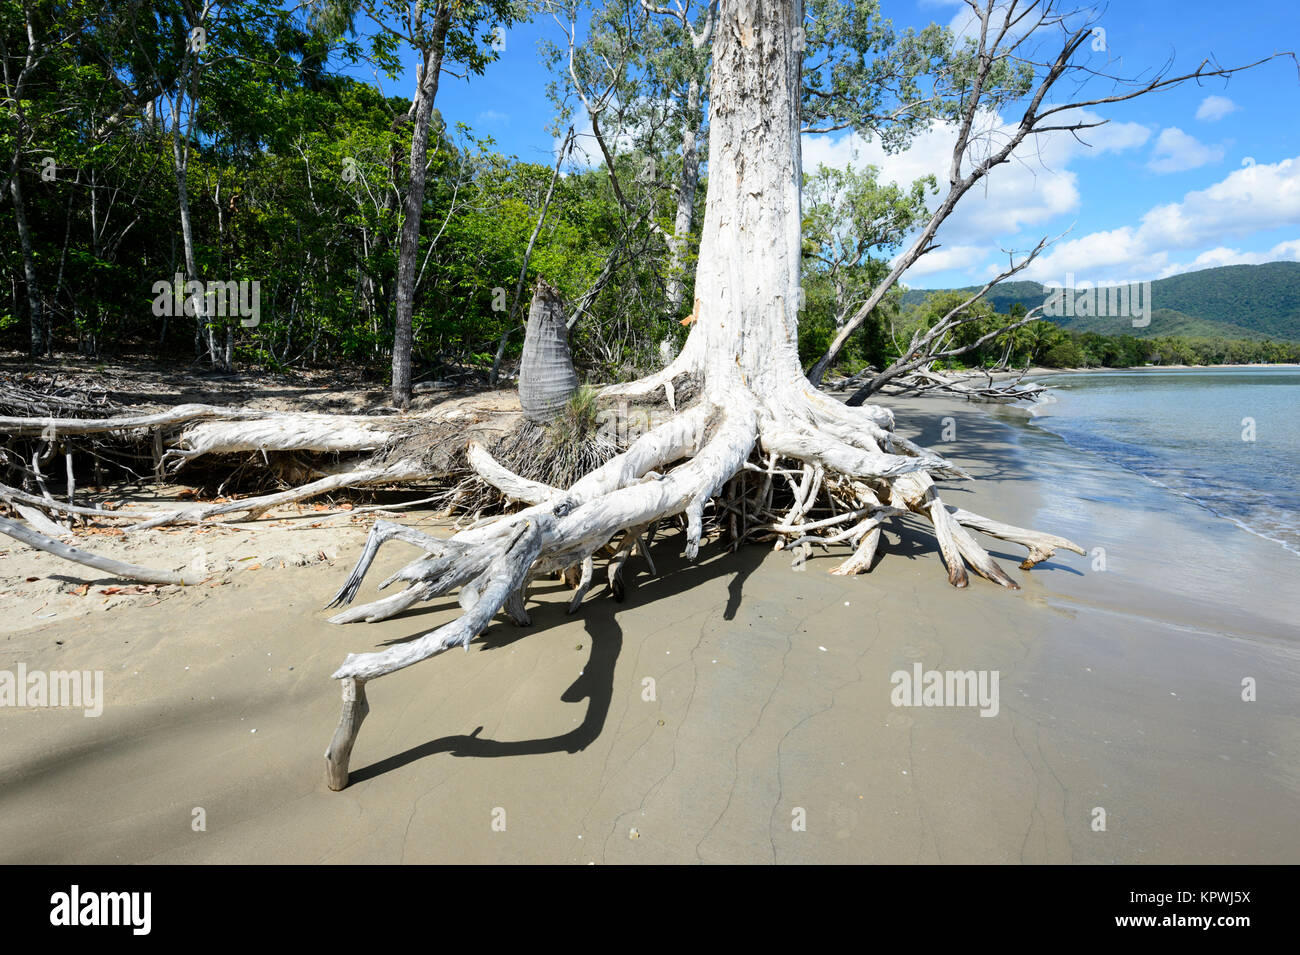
(684,220)
(744,348)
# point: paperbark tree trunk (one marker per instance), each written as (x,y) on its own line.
(753,398)
(747,280)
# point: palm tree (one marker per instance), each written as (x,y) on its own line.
(546,375)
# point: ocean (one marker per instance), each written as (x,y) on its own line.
(1227,439)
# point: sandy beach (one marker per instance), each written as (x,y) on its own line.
(731,710)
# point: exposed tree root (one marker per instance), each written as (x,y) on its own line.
(1040,546)
(254,507)
(780,463)
(181,414)
(315,433)
(789,466)
(840,487)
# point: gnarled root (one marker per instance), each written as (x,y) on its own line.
(778,463)
(355,709)
(1040,546)
(827,476)
(560,533)
(255,507)
(783,464)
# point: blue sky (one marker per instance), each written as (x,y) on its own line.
(1191,178)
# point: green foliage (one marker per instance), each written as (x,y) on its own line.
(576,420)
(858,72)
(1230,302)
(294,180)
(1047,344)
(295,177)
(851,224)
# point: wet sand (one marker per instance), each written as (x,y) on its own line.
(1120,689)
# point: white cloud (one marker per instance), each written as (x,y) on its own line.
(1214,108)
(1036,186)
(1040,188)
(1175,151)
(1288,251)
(1256,198)
(947,257)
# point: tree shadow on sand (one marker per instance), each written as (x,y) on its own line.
(596,683)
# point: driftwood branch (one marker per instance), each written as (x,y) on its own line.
(115,567)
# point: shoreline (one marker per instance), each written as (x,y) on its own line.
(1044,414)
(1041,371)
(1254,364)
(1120,690)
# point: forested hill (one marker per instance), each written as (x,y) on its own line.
(1233,301)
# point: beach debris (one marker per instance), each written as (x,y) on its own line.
(971,385)
(115,567)
(40,522)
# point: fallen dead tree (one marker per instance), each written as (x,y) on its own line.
(973,385)
(976,386)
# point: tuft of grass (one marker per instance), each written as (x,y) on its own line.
(564,449)
(573,442)
(576,421)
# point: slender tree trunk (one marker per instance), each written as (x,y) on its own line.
(40,340)
(180,162)
(41,335)
(685,220)
(410,244)
(63,259)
